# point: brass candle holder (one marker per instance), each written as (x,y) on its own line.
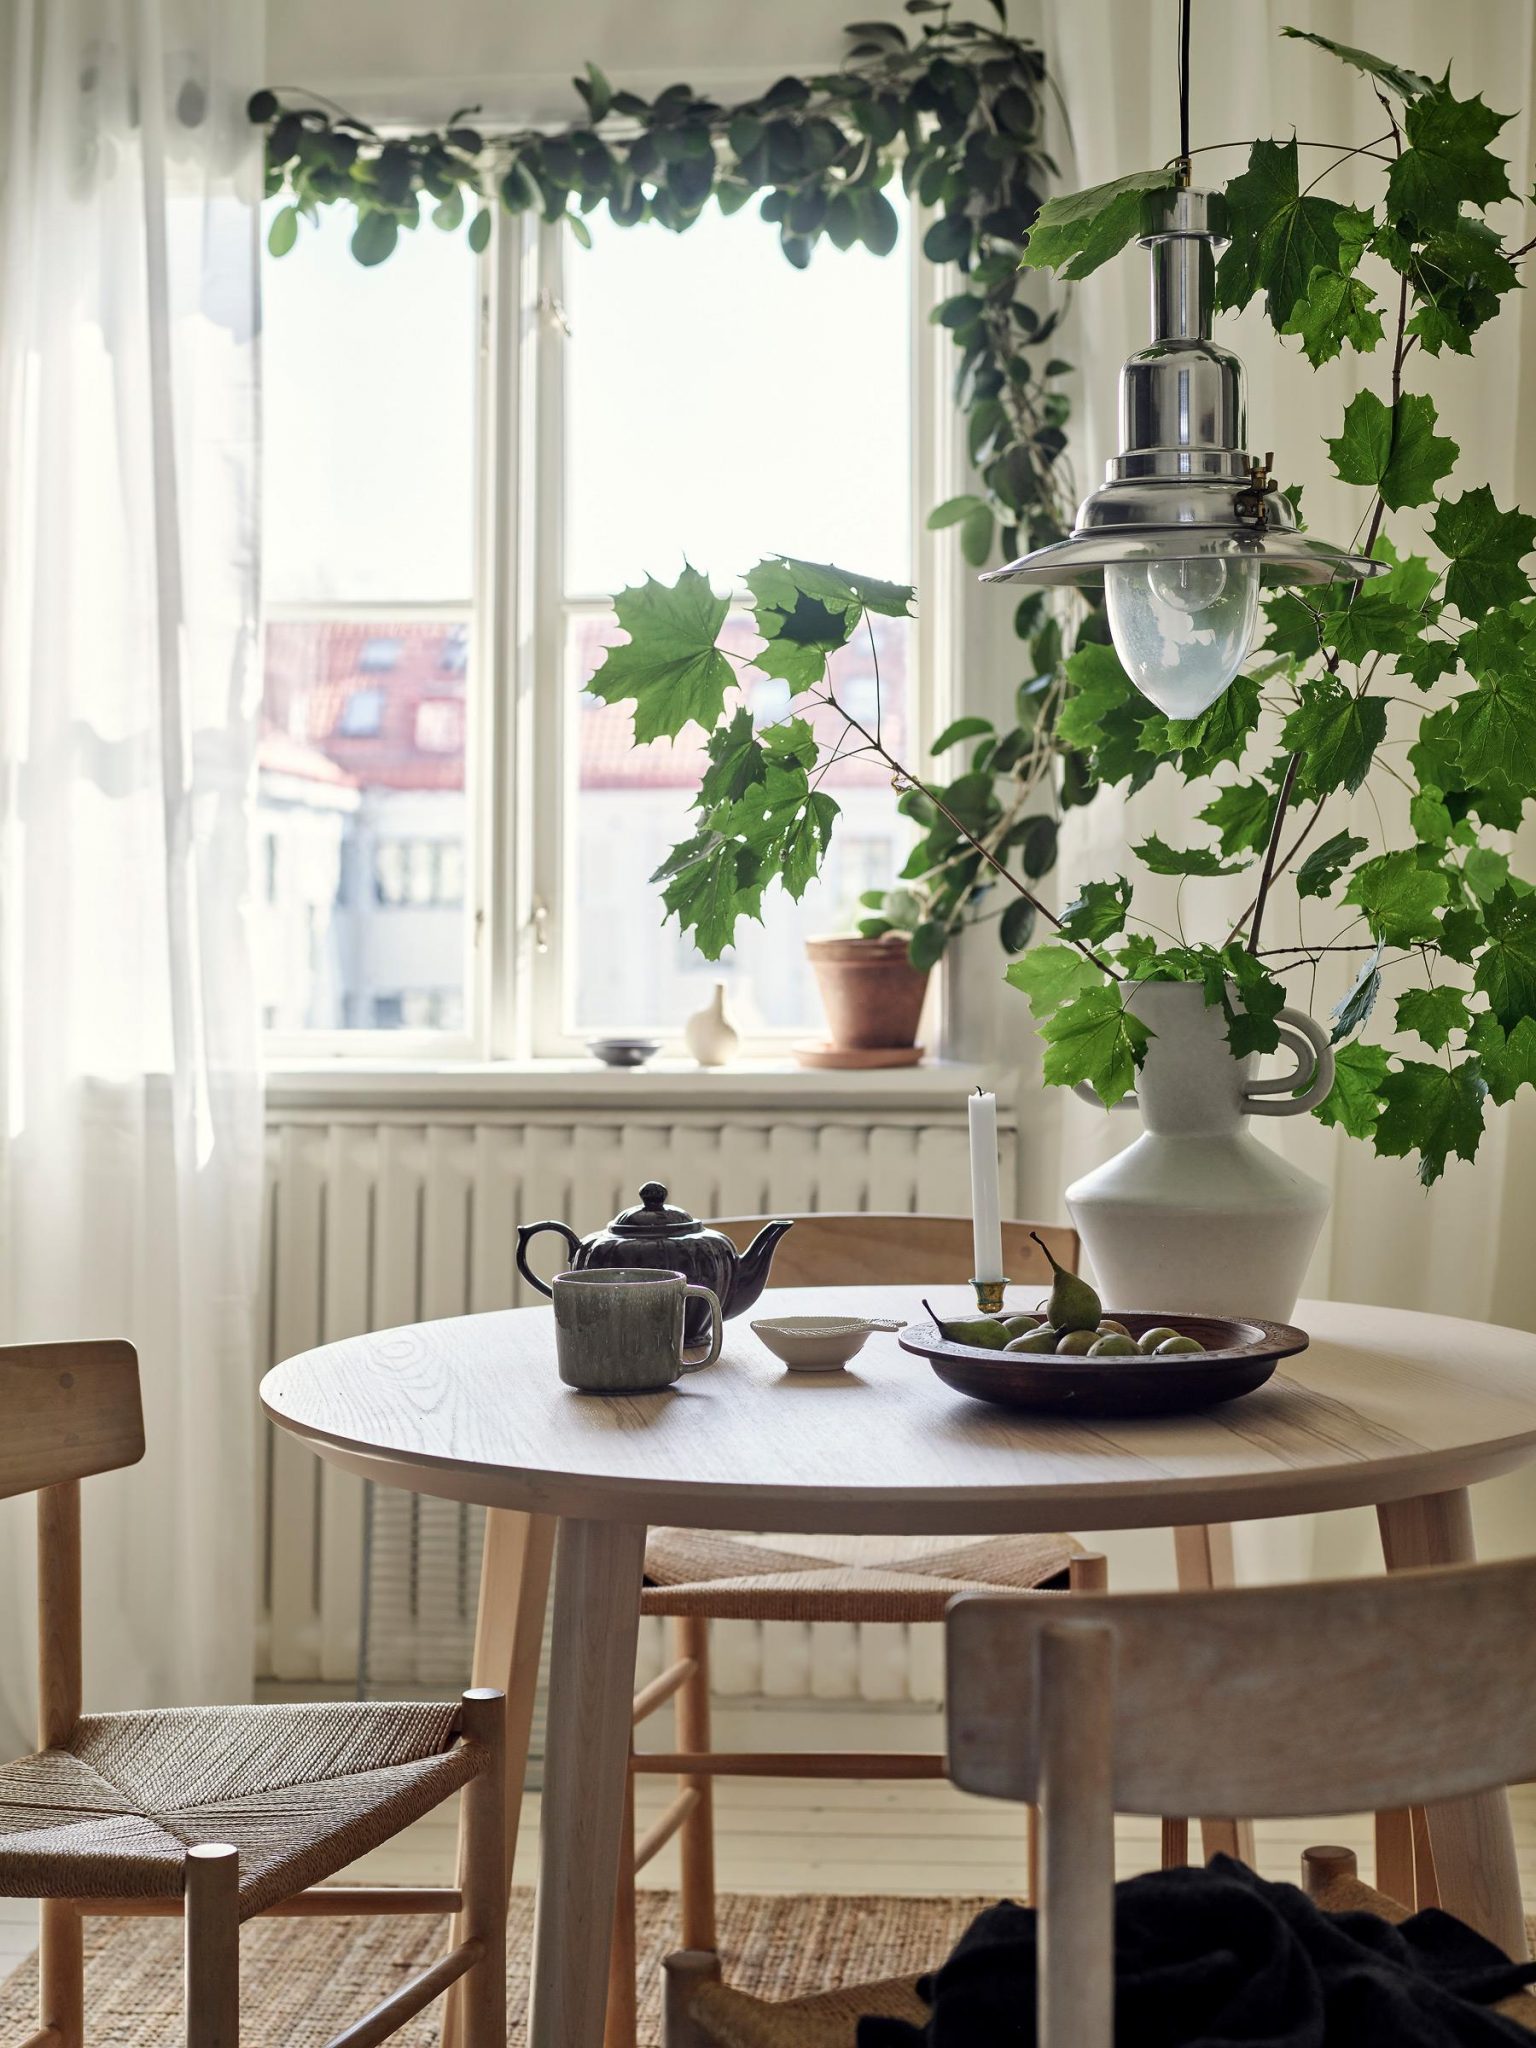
(989,1295)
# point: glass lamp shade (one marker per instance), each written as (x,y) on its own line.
(1181,628)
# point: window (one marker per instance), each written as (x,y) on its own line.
(370,411)
(637,395)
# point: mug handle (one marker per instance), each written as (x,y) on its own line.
(1305,1038)
(717,1327)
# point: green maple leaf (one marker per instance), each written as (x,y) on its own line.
(1295,624)
(1354,1100)
(1433,1013)
(1426,660)
(1051,976)
(1105,716)
(1493,729)
(1335,309)
(1075,233)
(1433,1111)
(1251,1018)
(1319,873)
(736,761)
(1447,162)
(1461,935)
(1486,547)
(670,665)
(1506,972)
(1430,817)
(805,611)
(1220,733)
(1098,912)
(1241,814)
(1459,276)
(1388,614)
(1393,449)
(784,822)
(711,881)
(1279,236)
(1094,1038)
(1337,734)
(1398,897)
(1485,871)
(1507,1060)
(1407,85)
(1359,1000)
(1162,859)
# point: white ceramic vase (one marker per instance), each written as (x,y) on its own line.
(1197,1214)
(709,1034)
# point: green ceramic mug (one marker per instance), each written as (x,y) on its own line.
(619,1329)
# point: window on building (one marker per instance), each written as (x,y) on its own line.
(660,366)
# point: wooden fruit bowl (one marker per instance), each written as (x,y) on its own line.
(1238,1357)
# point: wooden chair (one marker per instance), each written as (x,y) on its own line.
(697,1576)
(1288,1700)
(221,1813)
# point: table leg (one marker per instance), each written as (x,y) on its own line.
(1472,1839)
(1203,1558)
(598,1571)
(509,1637)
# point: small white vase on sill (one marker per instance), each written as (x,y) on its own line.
(1197,1214)
(709,1034)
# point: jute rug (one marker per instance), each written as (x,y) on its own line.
(304,1980)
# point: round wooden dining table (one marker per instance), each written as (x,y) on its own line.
(1387,1408)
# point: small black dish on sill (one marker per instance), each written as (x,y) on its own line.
(623,1052)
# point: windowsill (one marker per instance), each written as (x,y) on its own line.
(349,1084)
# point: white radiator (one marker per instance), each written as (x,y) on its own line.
(374,1220)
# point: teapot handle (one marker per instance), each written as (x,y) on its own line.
(526,1233)
(1305,1038)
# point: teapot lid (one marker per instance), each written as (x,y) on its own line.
(654,1214)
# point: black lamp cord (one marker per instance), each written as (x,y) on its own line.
(1184,6)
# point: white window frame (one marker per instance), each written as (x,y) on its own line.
(519,717)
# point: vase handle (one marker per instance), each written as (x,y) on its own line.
(1305,1038)
(1090,1094)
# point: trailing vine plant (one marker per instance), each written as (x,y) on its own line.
(1419,685)
(953,107)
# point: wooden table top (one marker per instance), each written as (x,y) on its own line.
(1386,1404)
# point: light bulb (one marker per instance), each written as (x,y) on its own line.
(1182,628)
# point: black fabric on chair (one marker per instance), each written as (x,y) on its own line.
(1214,1957)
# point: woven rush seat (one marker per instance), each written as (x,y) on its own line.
(831,1578)
(300,1791)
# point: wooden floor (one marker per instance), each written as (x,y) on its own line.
(918,1839)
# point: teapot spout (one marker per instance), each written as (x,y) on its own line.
(752,1270)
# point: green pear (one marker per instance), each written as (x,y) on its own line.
(1108,1327)
(1116,1345)
(1149,1340)
(1078,1343)
(1172,1346)
(1021,1325)
(1073,1304)
(986,1333)
(1042,1338)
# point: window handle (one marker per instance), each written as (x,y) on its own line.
(552,312)
(538,924)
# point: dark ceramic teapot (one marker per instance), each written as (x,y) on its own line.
(656,1234)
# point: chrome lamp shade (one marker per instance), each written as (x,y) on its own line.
(1184,488)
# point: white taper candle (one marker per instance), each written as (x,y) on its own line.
(986,1211)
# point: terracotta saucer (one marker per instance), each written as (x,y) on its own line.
(849,1056)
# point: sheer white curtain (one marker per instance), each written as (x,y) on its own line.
(129,1095)
(1464,1248)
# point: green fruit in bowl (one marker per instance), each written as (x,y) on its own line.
(1073,1304)
(1149,1340)
(1044,1338)
(1077,1343)
(1172,1346)
(986,1333)
(1021,1325)
(1110,1328)
(1116,1345)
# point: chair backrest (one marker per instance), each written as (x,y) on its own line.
(888,1249)
(1366,1694)
(66,1411)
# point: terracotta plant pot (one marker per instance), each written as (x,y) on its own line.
(871,992)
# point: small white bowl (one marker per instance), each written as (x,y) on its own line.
(819,1343)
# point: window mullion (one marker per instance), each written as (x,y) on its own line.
(546,769)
